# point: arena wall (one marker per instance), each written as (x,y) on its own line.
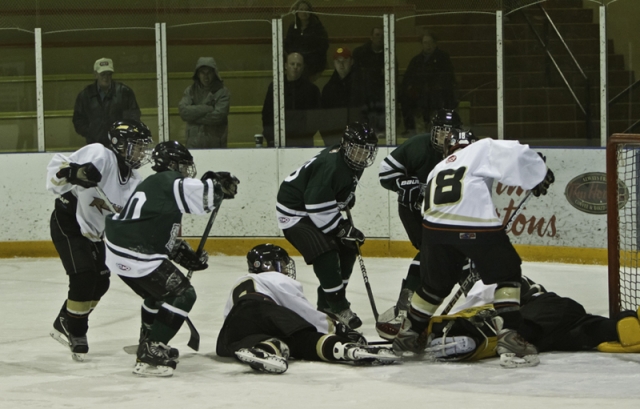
(569,224)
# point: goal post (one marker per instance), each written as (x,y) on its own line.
(623,222)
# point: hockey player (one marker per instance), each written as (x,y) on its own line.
(77,222)
(268,319)
(308,209)
(405,172)
(460,221)
(142,240)
(550,323)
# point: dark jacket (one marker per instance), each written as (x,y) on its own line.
(342,103)
(312,43)
(302,103)
(92,117)
(429,81)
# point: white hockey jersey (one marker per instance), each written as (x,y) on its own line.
(91,210)
(459,187)
(286,292)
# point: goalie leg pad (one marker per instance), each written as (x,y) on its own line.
(451,347)
(629,331)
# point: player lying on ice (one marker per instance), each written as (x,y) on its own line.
(142,242)
(550,323)
(268,320)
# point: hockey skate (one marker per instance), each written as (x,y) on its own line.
(390,321)
(270,356)
(347,317)
(263,361)
(514,351)
(408,340)
(364,355)
(173,353)
(77,345)
(153,360)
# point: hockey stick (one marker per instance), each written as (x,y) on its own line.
(194,339)
(106,200)
(364,271)
(473,276)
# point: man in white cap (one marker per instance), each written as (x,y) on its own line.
(102,103)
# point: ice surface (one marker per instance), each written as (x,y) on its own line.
(37,372)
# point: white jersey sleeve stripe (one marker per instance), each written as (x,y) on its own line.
(177,186)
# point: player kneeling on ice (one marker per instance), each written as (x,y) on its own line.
(142,240)
(460,221)
(77,224)
(268,319)
(308,208)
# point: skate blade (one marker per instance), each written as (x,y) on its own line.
(77,357)
(368,358)
(271,364)
(60,337)
(510,361)
(143,369)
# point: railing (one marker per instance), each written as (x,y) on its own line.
(586,108)
(618,97)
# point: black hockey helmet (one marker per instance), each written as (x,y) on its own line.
(173,155)
(458,139)
(441,124)
(269,257)
(359,145)
(130,140)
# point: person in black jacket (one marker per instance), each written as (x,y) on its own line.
(102,103)
(307,36)
(301,101)
(342,99)
(428,84)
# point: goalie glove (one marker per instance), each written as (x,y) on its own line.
(85,175)
(228,182)
(349,234)
(543,186)
(408,190)
(184,255)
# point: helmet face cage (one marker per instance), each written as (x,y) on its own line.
(268,257)
(443,123)
(131,139)
(360,146)
(136,152)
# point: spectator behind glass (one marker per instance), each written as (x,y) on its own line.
(428,84)
(369,61)
(307,36)
(205,107)
(301,102)
(342,100)
(102,103)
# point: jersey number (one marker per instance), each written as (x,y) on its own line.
(243,288)
(133,208)
(448,187)
(297,171)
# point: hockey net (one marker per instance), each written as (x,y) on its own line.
(623,222)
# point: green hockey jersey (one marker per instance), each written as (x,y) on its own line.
(319,189)
(415,157)
(150,221)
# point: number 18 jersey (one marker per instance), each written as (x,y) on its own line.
(459,187)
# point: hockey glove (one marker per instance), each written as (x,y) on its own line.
(408,190)
(85,175)
(349,234)
(184,255)
(543,186)
(351,334)
(228,182)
